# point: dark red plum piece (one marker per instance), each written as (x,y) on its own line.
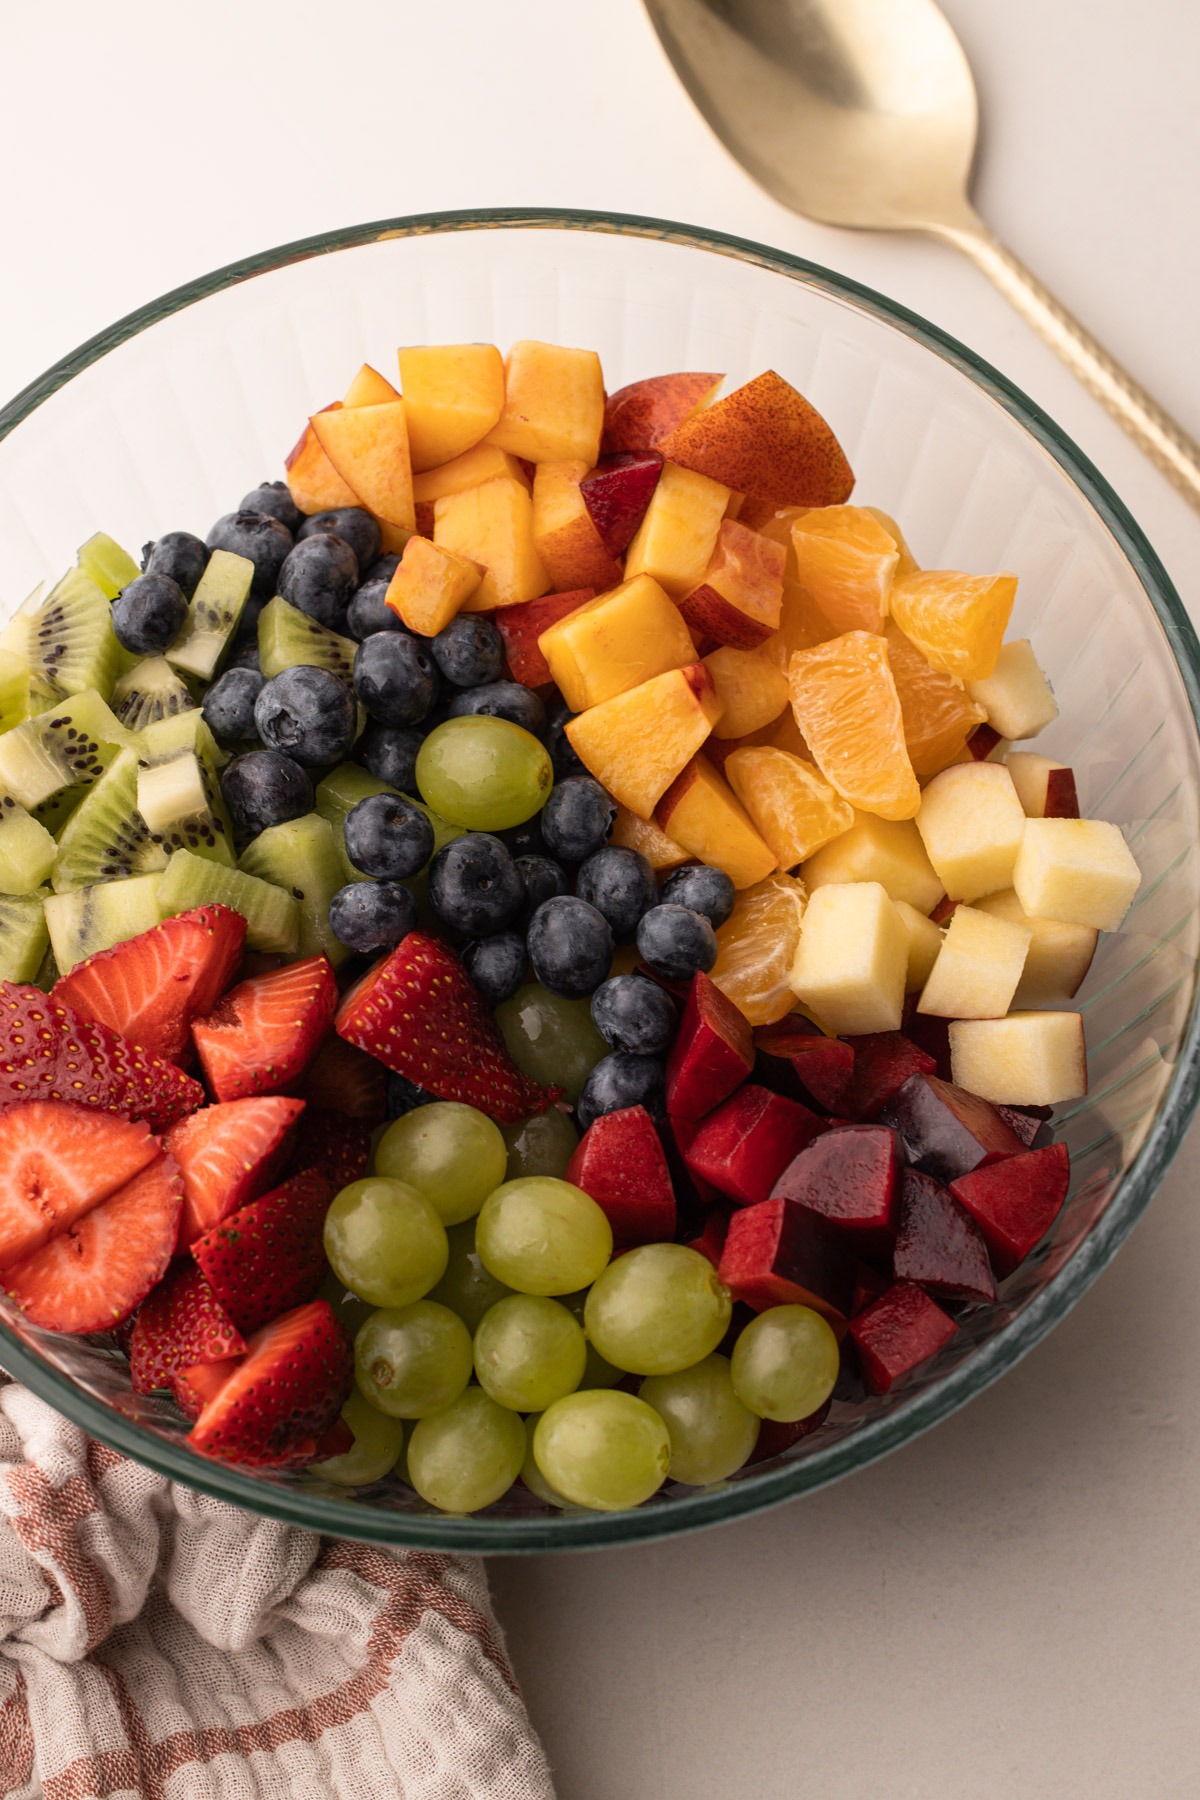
(849,1176)
(743,1146)
(1015,1202)
(1029,1123)
(932,1036)
(947,1132)
(777,1254)
(823,1066)
(774,1437)
(712,1054)
(938,1244)
(897,1333)
(693,1196)
(883,1062)
(619,1161)
(710,1240)
(617,493)
(868,1285)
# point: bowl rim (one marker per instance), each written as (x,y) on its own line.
(316,1509)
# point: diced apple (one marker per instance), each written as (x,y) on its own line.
(637,743)
(1045,788)
(430,586)
(1060,955)
(700,811)
(846,560)
(792,806)
(978,967)
(649,840)
(369,388)
(765,439)
(493,525)
(615,642)
(712,1054)
(617,492)
(739,598)
(553,404)
(567,541)
(752,686)
(521,627)
(368,446)
(1016,695)
(313,482)
(454,394)
(971,823)
(888,851)
(470,470)
(924,942)
(1080,871)
(639,416)
(678,534)
(852,959)
(1027,1059)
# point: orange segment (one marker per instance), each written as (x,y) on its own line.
(793,807)
(756,947)
(846,560)
(846,705)
(908,564)
(956,621)
(938,716)
(802,623)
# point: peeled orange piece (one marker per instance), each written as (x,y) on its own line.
(756,947)
(908,564)
(846,561)
(956,621)
(794,809)
(845,702)
(938,716)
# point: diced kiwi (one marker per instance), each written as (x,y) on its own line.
(15,635)
(95,918)
(149,691)
(27,850)
(71,641)
(302,856)
(180,801)
(65,749)
(182,731)
(272,917)
(106,837)
(287,636)
(213,614)
(110,567)
(23,936)
(14,689)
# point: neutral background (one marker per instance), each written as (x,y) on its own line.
(1007,1609)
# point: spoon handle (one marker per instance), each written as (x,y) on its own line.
(1166,444)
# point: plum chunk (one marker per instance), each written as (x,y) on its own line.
(883,1062)
(938,1244)
(619,1161)
(617,493)
(946,1131)
(1015,1202)
(1029,1123)
(774,1438)
(712,1054)
(746,1143)
(777,1253)
(823,1066)
(710,1240)
(850,1177)
(898,1332)
(868,1285)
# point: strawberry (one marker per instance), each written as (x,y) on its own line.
(268,1256)
(181,1322)
(297,1373)
(152,986)
(56,1163)
(229,1154)
(419,1012)
(344,1080)
(265,1032)
(339,1148)
(96,1271)
(199,1383)
(48,1053)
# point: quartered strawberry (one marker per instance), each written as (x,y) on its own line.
(229,1154)
(152,986)
(96,1271)
(419,1012)
(297,1373)
(265,1032)
(56,1163)
(199,1383)
(181,1322)
(268,1256)
(47,1052)
(339,1148)
(341,1079)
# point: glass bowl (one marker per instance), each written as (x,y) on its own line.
(165,419)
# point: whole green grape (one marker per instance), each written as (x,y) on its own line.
(712,1433)
(551,1039)
(602,1449)
(543,1145)
(657,1309)
(483,773)
(378,1442)
(451,1153)
(531,1475)
(785,1363)
(529,1350)
(467,1288)
(385,1241)
(598,1372)
(543,1236)
(410,1361)
(467,1455)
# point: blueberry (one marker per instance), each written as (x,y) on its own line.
(634,1014)
(390,752)
(474,885)
(228,706)
(497,965)
(570,946)
(577,818)
(264,788)
(370,916)
(566,763)
(502,700)
(260,537)
(622,1080)
(382,569)
(180,555)
(388,837)
(244,654)
(543,879)
(703,890)
(676,941)
(148,613)
(369,612)
(524,840)
(403,1096)
(469,651)
(308,714)
(395,677)
(318,577)
(620,884)
(354,526)
(273,497)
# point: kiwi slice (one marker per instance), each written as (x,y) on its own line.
(272,917)
(27,849)
(180,802)
(89,919)
(213,614)
(23,936)
(182,731)
(72,645)
(106,837)
(149,691)
(14,689)
(54,756)
(302,857)
(287,636)
(110,567)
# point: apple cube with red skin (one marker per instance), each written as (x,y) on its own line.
(521,627)
(639,416)
(774,1437)
(778,1253)
(897,1333)
(883,1062)
(619,1161)
(938,1244)
(823,1066)
(946,1131)
(617,493)
(713,1052)
(745,1144)
(850,1177)
(1045,788)
(1015,1202)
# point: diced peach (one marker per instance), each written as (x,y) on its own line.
(792,806)
(430,585)
(393,538)
(649,839)
(639,416)
(424,512)
(679,532)
(765,439)
(368,446)
(493,525)
(522,626)
(567,541)
(752,685)
(553,404)
(846,560)
(454,394)
(484,463)
(637,743)
(313,482)
(615,642)
(369,388)
(739,597)
(617,493)
(700,811)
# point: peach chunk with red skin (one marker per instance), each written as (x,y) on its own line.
(639,416)
(740,599)
(637,743)
(313,482)
(764,439)
(566,539)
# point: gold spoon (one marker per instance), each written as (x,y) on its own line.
(863,113)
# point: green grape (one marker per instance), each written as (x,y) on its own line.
(598,1372)
(657,1309)
(385,1241)
(551,1039)
(467,1288)
(486,774)
(467,1455)
(410,1361)
(529,1351)
(711,1432)
(450,1153)
(347,1307)
(543,1145)
(543,1236)
(785,1363)
(602,1449)
(531,1475)
(378,1442)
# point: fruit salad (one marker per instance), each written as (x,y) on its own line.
(529,956)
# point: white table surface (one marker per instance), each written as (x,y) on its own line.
(1006,1609)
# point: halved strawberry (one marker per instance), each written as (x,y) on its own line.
(229,1154)
(265,1032)
(199,1383)
(341,1079)
(47,1052)
(56,1163)
(179,1323)
(96,1271)
(297,1373)
(152,986)
(339,1148)
(421,1015)
(268,1256)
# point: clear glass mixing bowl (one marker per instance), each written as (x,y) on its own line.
(164,419)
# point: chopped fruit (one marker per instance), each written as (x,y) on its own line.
(738,599)
(850,1177)
(150,987)
(710,1240)
(700,811)
(946,1130)
(1016,695)
(956,621)
(639,416)
(419,1013)
(1027,1059)
(430,586)
(453,394)
(713,1052)
(553,404)
(897,1333)
(228,1154)
(845,703)
(1045,788)
(883,850)
(313,482)
(297,1373)
(344,1080)
(270,1255)
(743,1147)
(368,446)
(908,564)
(616,642)
(752,687)
(192,1388)
(180,1323)
(369,388)
(620,1163)
(1079,871)
(790,803)
(984,745)
(265,1032)
(846,560)
(339,1147)
(644,836)
(852,959)
(470,470)
(563,532)
(823,1066)
(972,823)
(764,439)
(57,1162)
(637,743)
(1014,1203)
(756,947)
(617,492)
(978,967)
(775,1436)
(492,525)
(883,1062)
(678,534)
(272,917)
(779,1254)
(938,1243)
(522,626)
(1059,954)
(90,920)
(938,717)
(924,943)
